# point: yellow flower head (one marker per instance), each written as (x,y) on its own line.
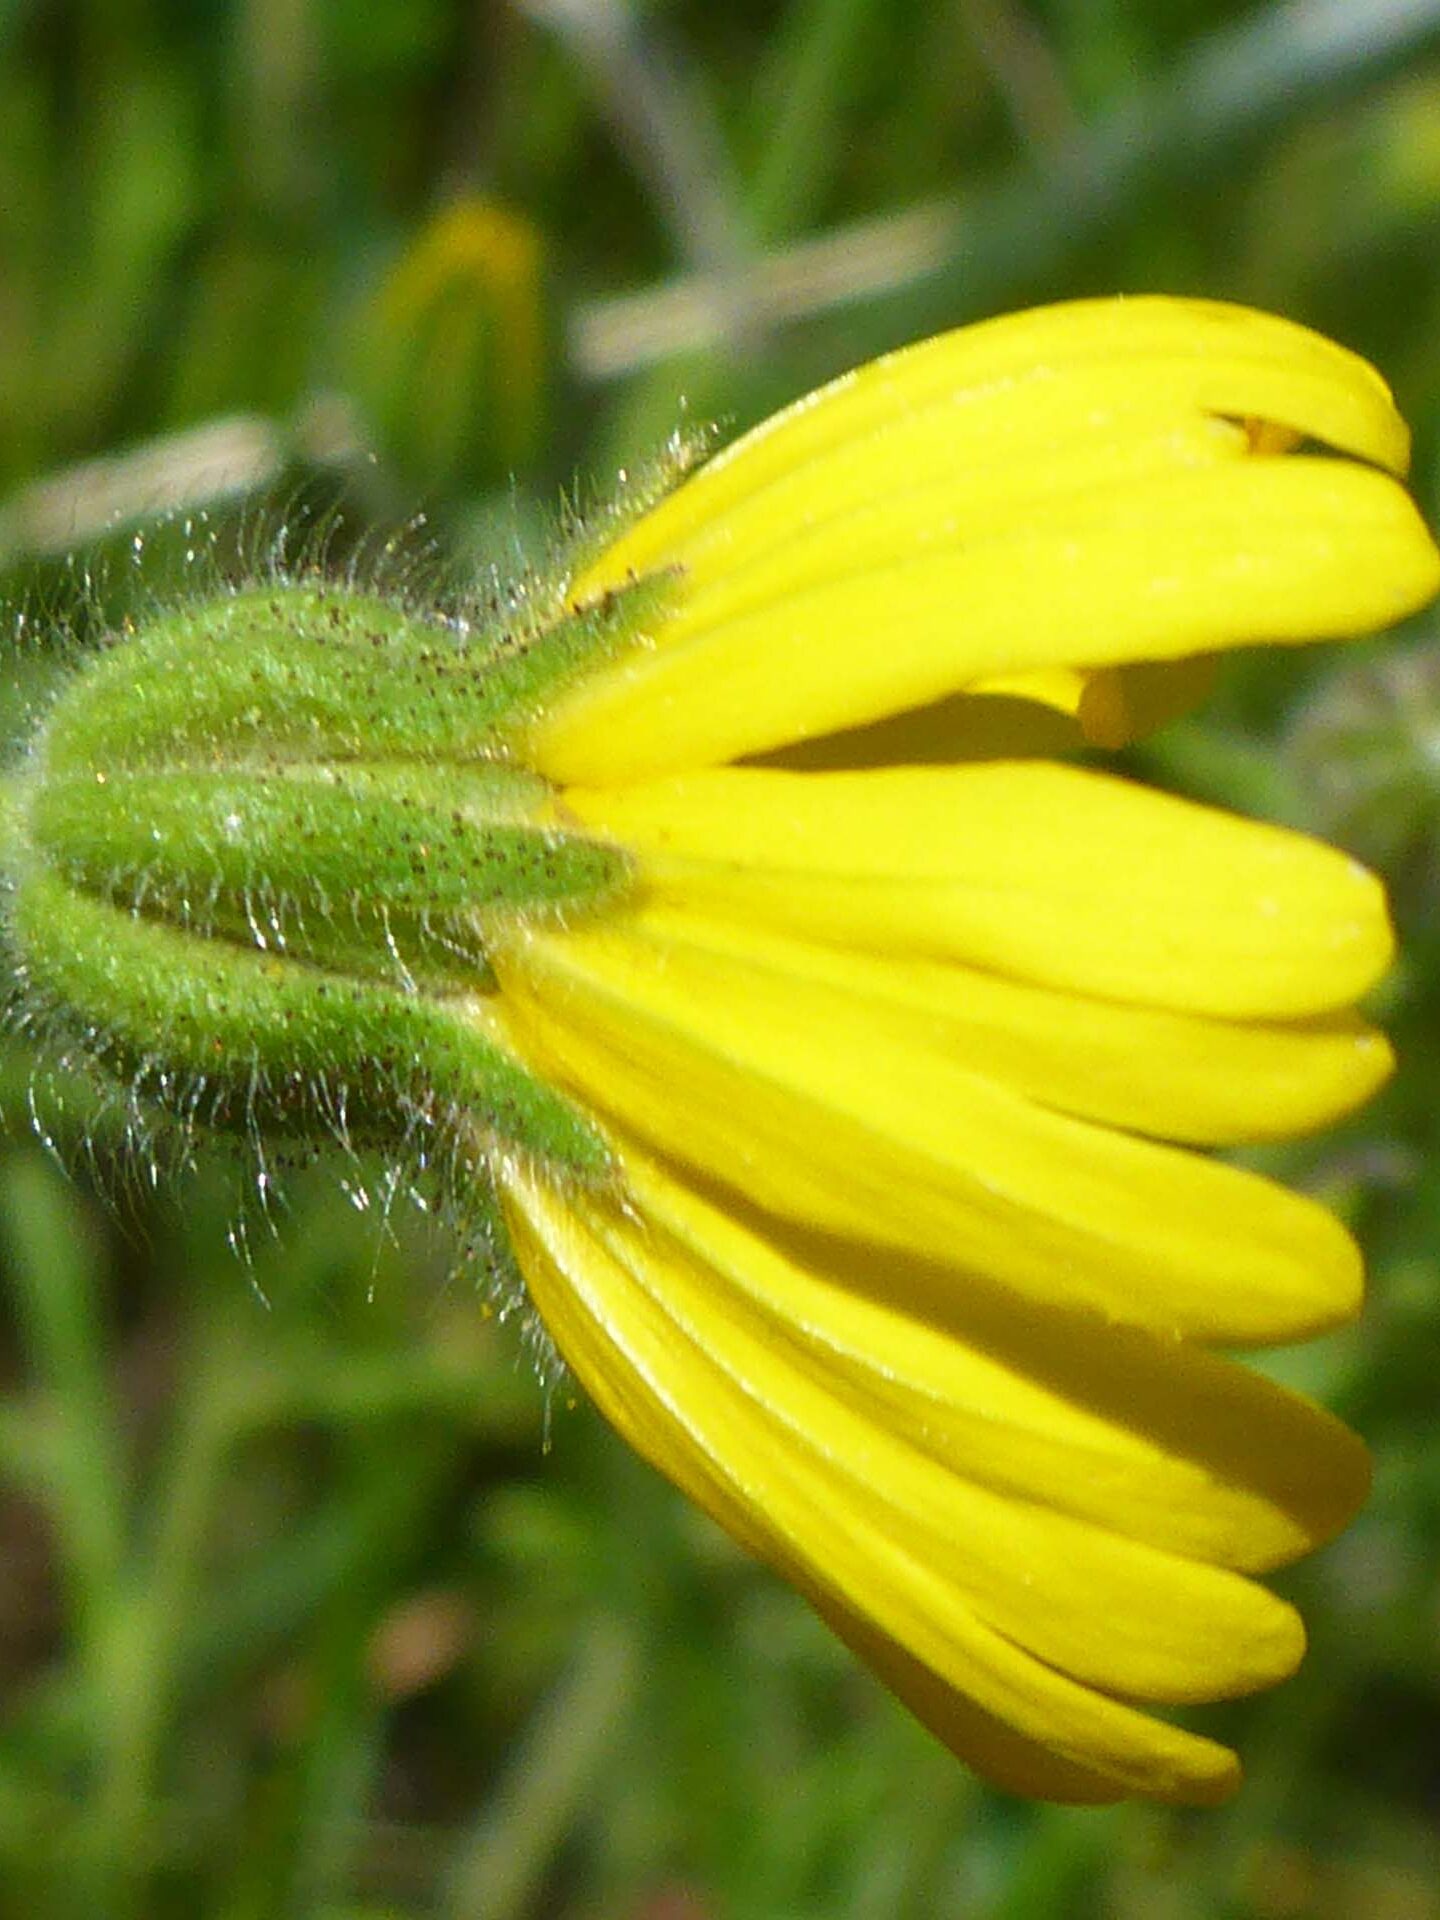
(837,1056)
(901,1278)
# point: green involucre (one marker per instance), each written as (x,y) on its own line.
(258,848)
(321,673)
(255,1039)
(381,869)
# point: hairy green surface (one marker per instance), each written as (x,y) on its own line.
(253,851)
(264,1042)
(281,673)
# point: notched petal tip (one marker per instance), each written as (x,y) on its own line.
(855,614)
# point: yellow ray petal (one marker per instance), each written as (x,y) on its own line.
(682,1412)
(1175,1630)
(855,1128)
(1105,369)
(1005,1758)
(839,627)
(1175,1076)
(1033,498)
(876,499)
(1051,873)
(1160,1441)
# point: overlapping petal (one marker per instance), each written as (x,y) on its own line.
(1050,873)
(1156,1071)
(684,1325)
(1071,489)
(899,1269)
(1161,1442)
(826,1108)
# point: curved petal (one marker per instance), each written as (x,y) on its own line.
(1006,1758)
(1073,879)
(829,1114)
(1073,489)
(1170,1075)
(608,1294)
(1103,369)
(1173,563)
(1160,1441)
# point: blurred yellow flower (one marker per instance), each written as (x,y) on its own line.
(900,1272)
(448,356)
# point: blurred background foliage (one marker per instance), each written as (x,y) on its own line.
(314,1601)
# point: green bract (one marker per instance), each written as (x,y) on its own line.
(257,848)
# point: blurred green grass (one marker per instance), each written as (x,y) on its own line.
(314,1601)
